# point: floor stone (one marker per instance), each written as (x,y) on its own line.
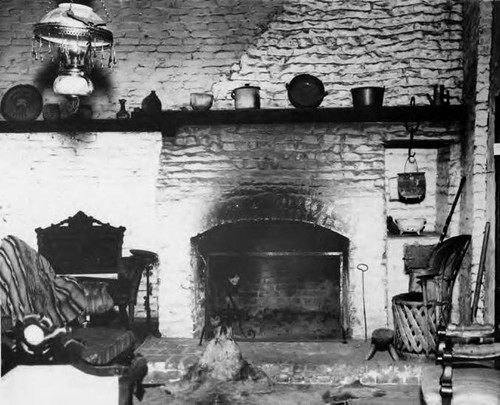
(331,362)
(394,395)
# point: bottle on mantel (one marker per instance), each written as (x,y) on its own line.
(151,103)
(122,114)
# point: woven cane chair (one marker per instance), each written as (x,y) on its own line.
(417,314)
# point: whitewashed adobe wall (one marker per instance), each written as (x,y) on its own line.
(46,178)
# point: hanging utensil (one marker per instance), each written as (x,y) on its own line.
(363,268)
(411,185)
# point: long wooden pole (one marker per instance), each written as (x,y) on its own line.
(480,272)
(455,201)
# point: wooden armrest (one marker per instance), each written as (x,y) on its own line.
(476,351)
(469,331)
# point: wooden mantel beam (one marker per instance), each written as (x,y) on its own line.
(169,121)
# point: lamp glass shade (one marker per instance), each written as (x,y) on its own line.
(73,26)
(73,83)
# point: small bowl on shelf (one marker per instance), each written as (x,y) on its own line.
(201,101)
(406,225)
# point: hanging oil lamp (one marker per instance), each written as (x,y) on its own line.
(75,37)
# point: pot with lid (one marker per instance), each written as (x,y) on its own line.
(246,97)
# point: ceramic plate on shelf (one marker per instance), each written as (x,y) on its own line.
(21,103)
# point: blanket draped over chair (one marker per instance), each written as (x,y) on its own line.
(28,284)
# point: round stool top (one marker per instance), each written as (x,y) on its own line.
(382,336)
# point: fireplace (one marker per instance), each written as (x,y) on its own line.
(274,279)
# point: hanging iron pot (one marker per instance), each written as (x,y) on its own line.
(411,185)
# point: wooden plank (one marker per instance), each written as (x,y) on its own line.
(418,143)
(170,121)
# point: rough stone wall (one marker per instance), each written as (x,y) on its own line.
(330,175)
(177,47)
(405,46)
(171,46)
(477,159)
(323,174)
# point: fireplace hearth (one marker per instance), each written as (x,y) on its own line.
(274,280)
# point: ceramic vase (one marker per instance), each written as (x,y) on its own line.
(122,114)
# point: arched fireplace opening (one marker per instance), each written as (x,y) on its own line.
(274,280)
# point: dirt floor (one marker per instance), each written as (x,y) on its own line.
(250,393)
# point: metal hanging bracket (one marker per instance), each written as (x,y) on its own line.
(411,128)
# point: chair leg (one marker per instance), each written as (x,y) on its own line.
(446,385)
(124,318)
(393,353)
(131,312)
(373,349)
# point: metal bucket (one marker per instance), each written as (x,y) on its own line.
(411,185)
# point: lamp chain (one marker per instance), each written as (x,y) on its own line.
(49,5)
(108,17)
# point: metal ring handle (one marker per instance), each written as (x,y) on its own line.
(412,160)
(362,267)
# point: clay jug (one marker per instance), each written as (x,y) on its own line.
(51,112)
(151,104)
(122,114)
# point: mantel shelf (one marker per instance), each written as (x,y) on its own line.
(169,121)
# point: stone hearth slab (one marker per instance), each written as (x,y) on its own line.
(325,362)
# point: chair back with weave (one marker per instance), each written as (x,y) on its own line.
(442,270)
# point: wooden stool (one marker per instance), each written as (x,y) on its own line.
(382,340)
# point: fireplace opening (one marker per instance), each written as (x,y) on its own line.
(274,280)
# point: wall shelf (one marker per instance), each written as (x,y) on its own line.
(169,121)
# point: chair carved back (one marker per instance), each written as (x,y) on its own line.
(81,244)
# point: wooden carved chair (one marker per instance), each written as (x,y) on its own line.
(42,314)
(88,249)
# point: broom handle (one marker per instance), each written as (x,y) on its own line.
(480,272)
(448,220)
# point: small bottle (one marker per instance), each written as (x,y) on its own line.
(151,104)
(122,114)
